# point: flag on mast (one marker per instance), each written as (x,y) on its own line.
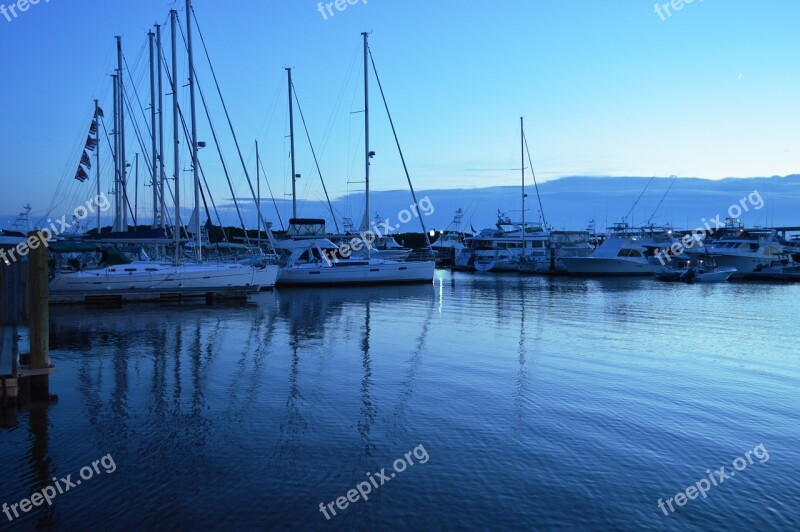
(85,161)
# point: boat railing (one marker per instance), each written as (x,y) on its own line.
(420,255)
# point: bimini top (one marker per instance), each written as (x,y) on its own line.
(306,227)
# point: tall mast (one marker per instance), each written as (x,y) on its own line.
(115,154)
(173,15)
(162,207)
(197,236)
(122,162)
(291,145)
(258,187)
(522,155)
(97,159)
(366,133)
(151,37)
(136,192)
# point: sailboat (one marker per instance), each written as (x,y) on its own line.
(146,279)
(307,250)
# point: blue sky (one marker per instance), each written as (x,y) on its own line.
(607,88)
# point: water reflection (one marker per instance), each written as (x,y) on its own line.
(246,416)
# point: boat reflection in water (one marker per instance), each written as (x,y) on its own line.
(171,394)
(248,416)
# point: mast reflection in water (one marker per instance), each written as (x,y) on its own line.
(542,403)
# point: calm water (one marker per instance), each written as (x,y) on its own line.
(541,404)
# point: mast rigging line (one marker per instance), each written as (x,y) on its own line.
(399,149)
(316,162)
(200,166)
(635,203)
(535,184)
(228,117)
(674,178)
(141,146)
(135,92)
(219,152)
(271,194)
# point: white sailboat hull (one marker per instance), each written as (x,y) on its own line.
(149,277)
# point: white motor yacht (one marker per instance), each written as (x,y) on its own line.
(747,251)
(317,261)
(625,252)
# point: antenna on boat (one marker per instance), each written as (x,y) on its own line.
(635,203)
(674,178)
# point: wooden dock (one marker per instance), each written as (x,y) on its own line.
(24,300)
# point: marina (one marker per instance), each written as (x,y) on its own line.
(399,267)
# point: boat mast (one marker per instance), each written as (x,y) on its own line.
(258,193)
(97,159)
(154,161)
(162,206)
(173,14)
(522,155)
(367,153)
(197,236)
(136,192)
(122,168)
(115,154)
(291,144)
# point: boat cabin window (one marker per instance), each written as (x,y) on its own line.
(629,253)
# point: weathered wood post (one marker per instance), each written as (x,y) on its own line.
(12,298)
(39,316)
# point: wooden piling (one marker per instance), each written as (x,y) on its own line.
(39,317)
(12,297)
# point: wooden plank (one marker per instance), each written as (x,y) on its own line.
(24,372)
